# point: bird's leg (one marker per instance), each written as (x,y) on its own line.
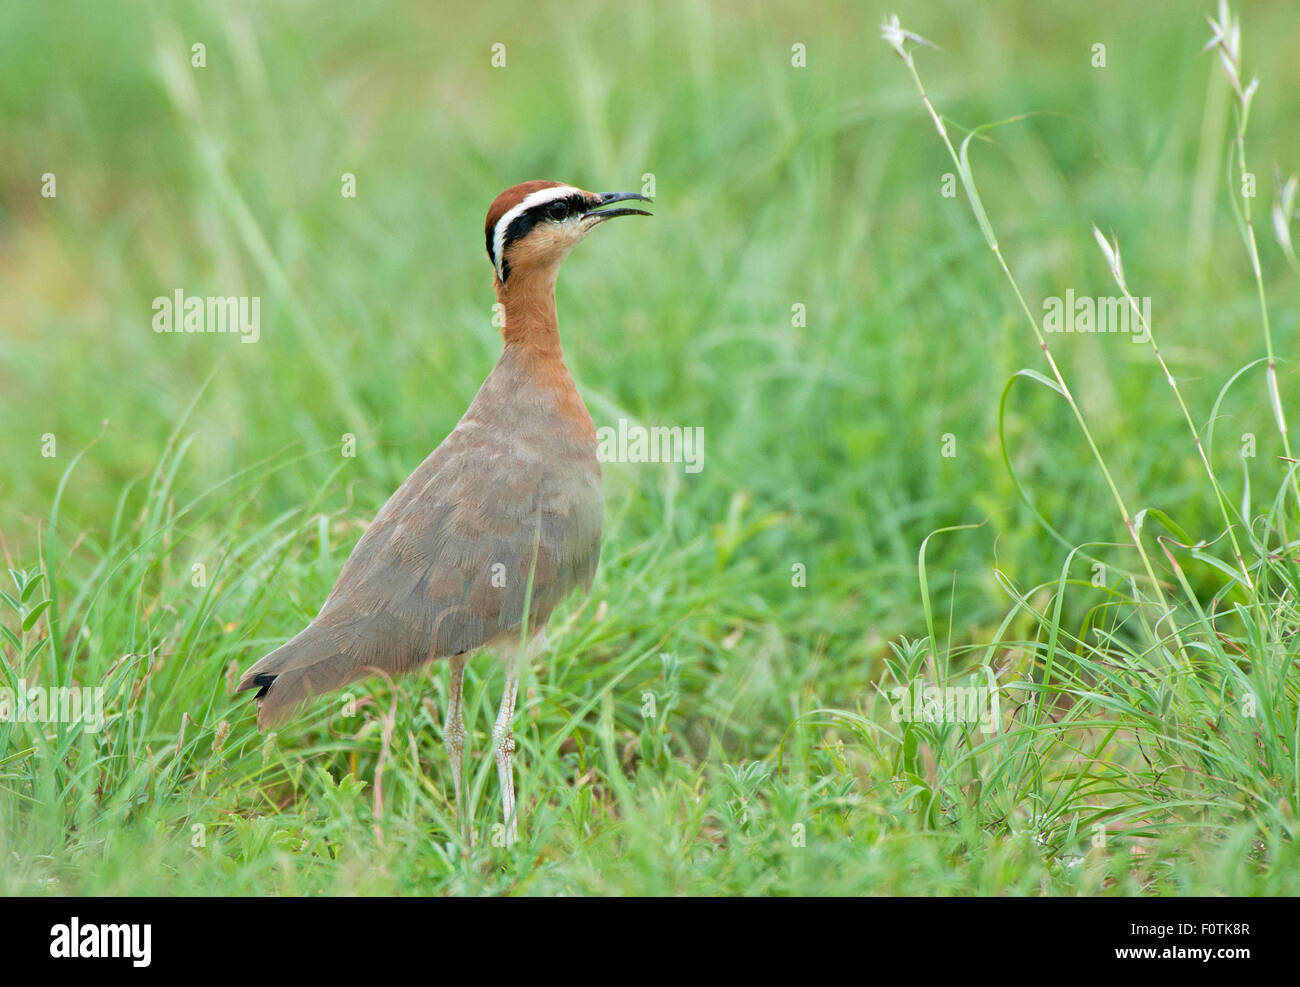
(453,738)
(503,742)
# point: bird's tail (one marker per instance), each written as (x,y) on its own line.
(307,665)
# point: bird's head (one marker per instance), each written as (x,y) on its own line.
(532,227)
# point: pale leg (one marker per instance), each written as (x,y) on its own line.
(453,738)
(503,742)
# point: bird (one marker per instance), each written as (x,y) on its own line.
(495,528)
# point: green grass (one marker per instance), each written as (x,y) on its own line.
(701,724)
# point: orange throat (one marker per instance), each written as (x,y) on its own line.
(532,330)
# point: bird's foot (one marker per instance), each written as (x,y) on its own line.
(504,743)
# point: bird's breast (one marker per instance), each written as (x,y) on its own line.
(503,517)
(538,435)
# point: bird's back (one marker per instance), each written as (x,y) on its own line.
(505,514)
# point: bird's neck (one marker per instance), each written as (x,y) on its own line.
(532,342)
(531,322)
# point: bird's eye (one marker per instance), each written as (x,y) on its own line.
(557,210)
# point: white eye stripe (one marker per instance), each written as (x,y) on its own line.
(528,201)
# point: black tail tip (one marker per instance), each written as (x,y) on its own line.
(262,683)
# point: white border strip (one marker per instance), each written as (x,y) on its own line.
(528,201)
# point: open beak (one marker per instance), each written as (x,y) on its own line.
(600,213)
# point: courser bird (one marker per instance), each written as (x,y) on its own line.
(505,515)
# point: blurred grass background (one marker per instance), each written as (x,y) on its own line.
(776,186)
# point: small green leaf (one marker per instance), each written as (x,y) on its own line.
(30,620)
(32,586)
(1166,520)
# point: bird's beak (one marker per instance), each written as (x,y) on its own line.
(595,218)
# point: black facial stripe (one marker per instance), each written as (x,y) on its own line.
(573,203)
(540,213)
(525,221)
(519,227)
